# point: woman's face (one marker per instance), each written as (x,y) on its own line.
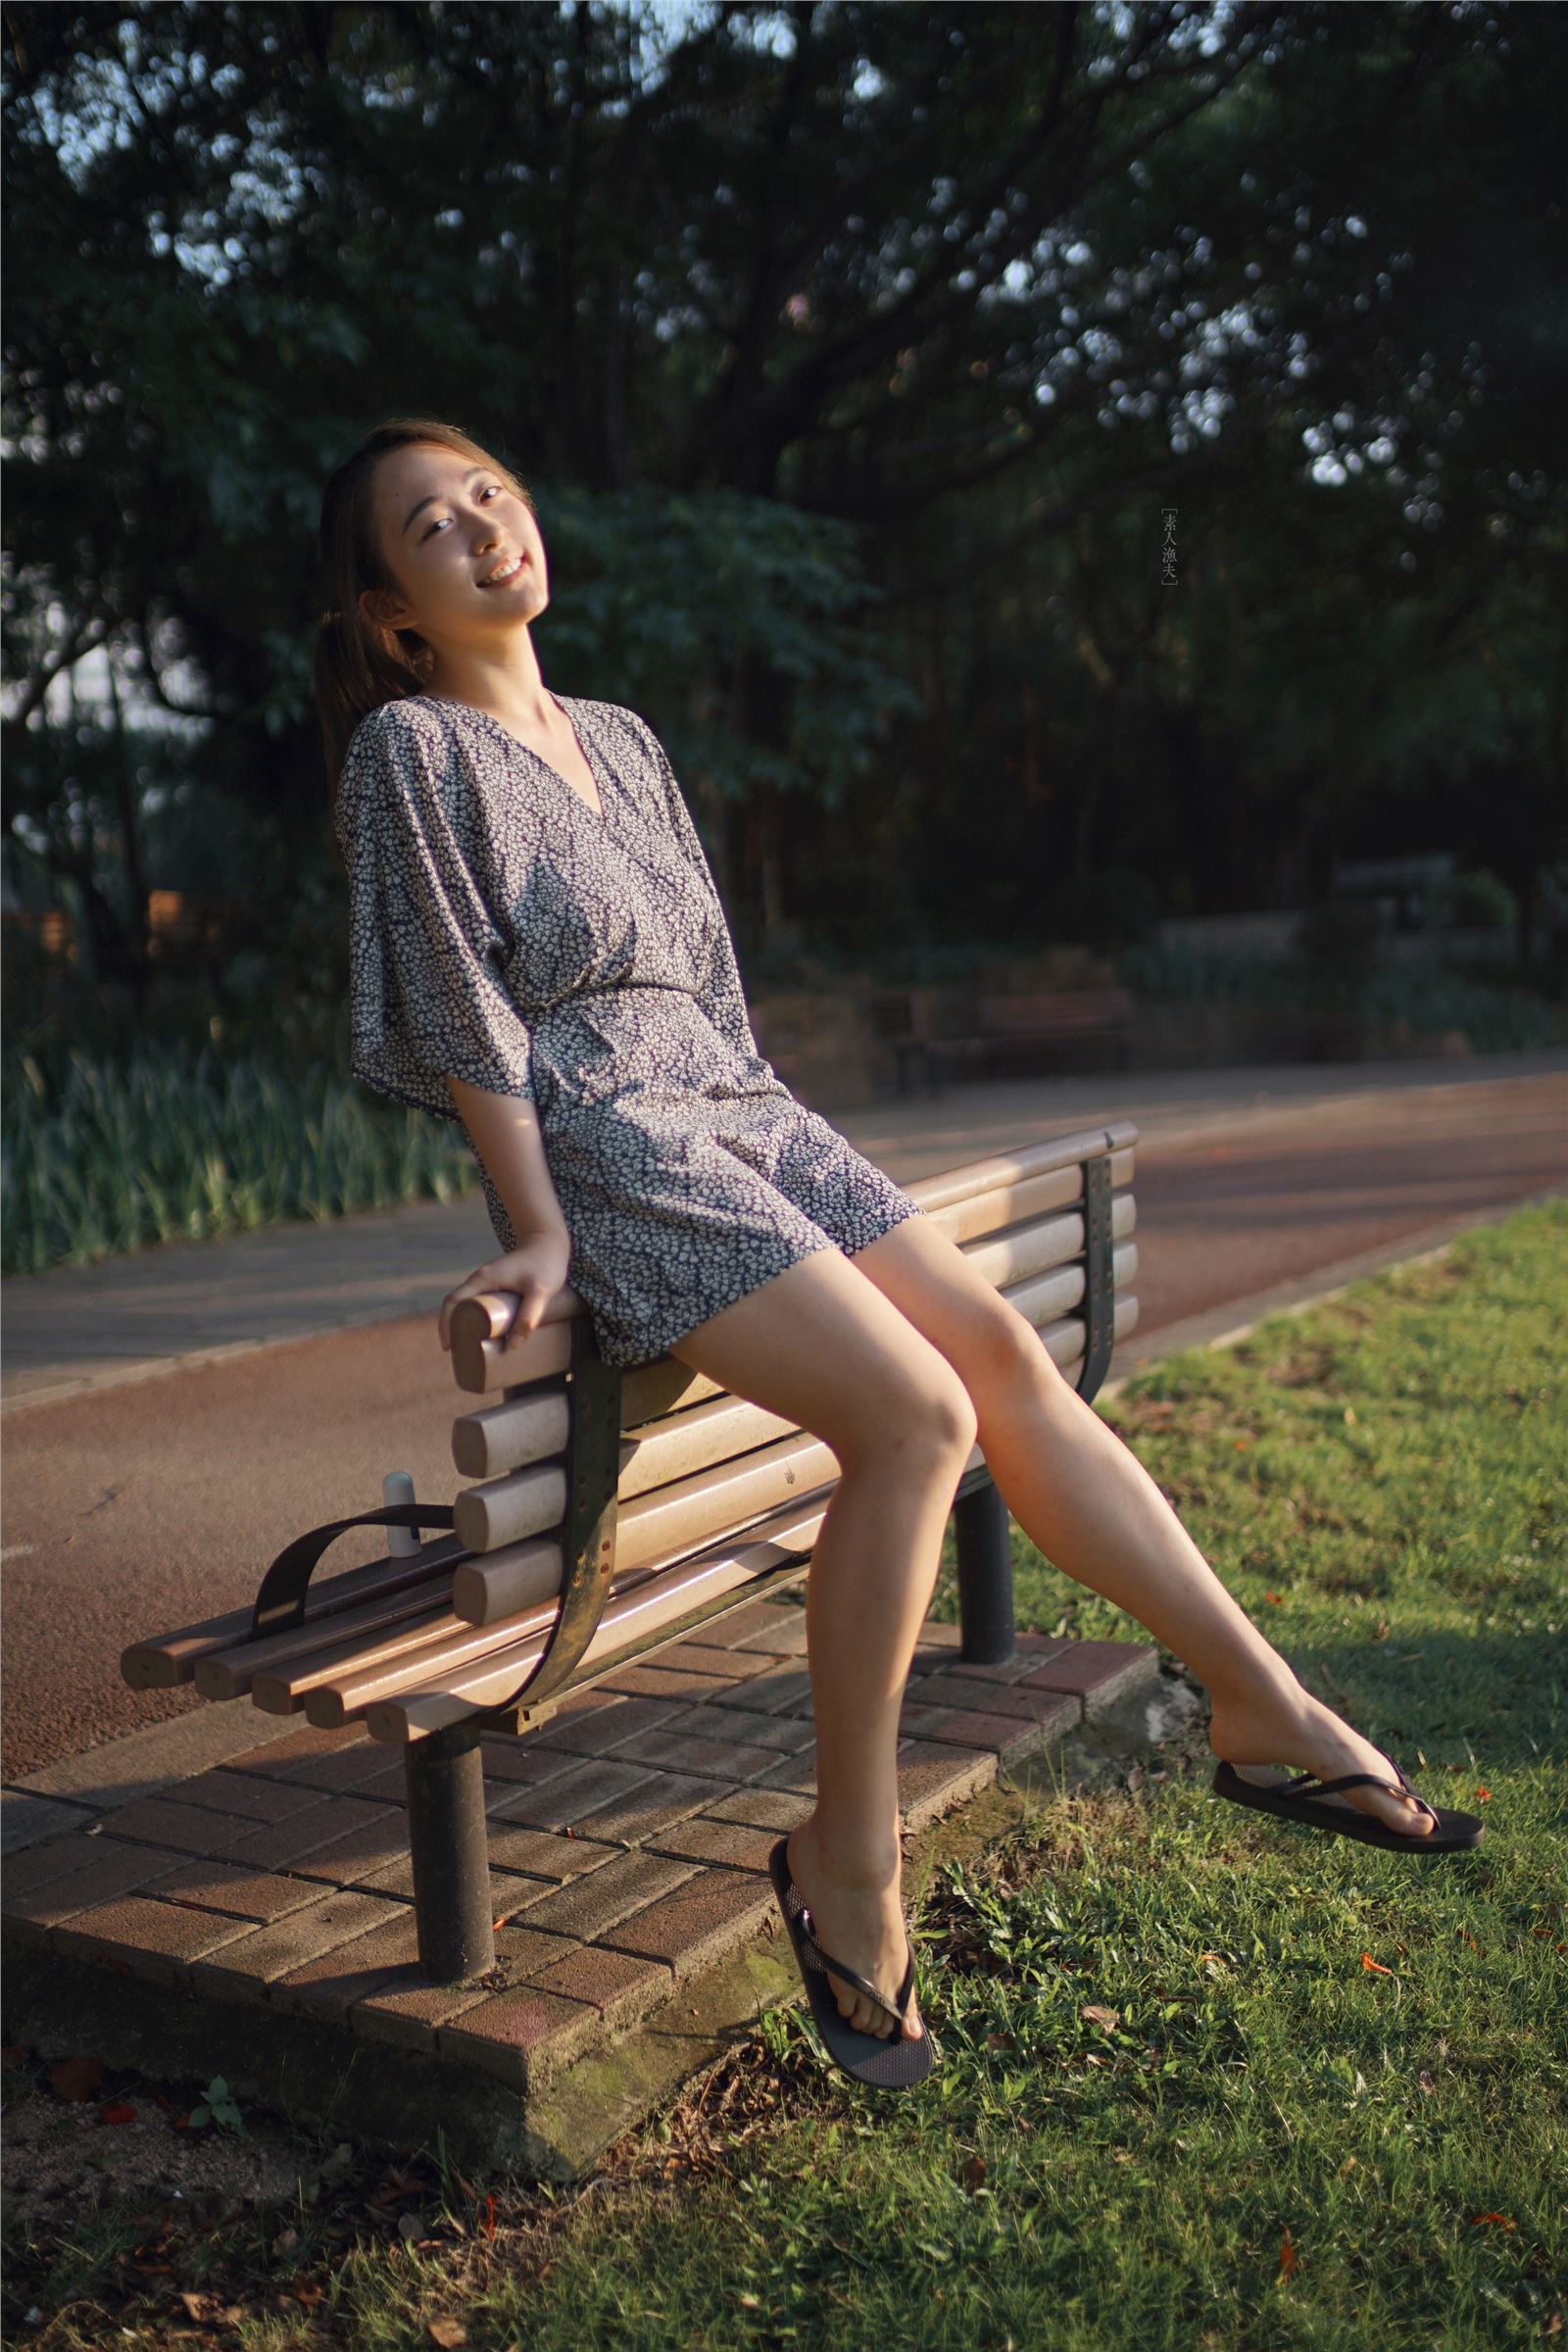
(445,523)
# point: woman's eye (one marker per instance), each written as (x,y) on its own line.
(441,519)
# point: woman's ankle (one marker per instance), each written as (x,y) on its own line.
(851,1856)
(1275,1696)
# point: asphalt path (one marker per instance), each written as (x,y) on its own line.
(152,1485)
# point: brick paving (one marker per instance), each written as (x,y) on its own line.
(628,1841)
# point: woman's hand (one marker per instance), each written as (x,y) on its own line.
(536,1271)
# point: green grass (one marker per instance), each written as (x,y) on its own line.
(1323,2104)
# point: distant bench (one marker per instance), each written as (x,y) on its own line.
(652,1500)
(1000,1026)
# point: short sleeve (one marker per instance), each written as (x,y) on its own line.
(427,999)
(721,995)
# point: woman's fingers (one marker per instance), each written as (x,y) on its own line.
(480,1280)
(512,1274)
(530,1313)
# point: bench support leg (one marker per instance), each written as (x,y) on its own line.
(985,1577)
(449,1841)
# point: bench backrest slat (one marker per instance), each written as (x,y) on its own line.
(1062,1010)
(480,1364)
(502,1509)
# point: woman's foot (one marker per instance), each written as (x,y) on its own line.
(858,1917)
(1293,1728)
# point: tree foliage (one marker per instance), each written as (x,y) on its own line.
(854,355)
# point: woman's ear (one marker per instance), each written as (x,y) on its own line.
(383,609)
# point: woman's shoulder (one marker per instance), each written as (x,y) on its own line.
(404,758)
(408,740)
(403,719)
(624,726)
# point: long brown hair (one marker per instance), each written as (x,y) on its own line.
(358,663)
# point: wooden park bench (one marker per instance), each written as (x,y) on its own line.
(1000,1026)
(611,1513)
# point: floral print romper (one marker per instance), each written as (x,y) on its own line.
(503,930)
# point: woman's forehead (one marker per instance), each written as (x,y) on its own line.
(419,468)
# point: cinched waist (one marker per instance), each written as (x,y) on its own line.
(595,995)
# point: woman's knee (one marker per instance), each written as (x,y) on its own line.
(820,1346)
(921,1412)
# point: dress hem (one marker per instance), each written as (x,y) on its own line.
(685,1321)
(753,1281)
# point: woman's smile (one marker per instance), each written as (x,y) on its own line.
(506,578)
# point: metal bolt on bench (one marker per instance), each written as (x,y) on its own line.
(616,1512)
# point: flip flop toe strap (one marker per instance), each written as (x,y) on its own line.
(1308,1782)
(851,1976)
(1406,1790)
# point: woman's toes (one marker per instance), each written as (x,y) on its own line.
(1395,1806)
(865,2016)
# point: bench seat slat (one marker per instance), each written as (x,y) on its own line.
(451,1646)
(229,1674)
(169,1659)
(653,1602)
(329,1685)
(290,1662)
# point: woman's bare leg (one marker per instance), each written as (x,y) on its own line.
(822,1347)
(1086,1502)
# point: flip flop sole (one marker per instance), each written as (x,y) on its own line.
(895,2063)
(1455,1833)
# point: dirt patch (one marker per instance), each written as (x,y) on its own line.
(77,2133)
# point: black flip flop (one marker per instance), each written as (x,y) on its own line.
(1288,1798)
(890,2063)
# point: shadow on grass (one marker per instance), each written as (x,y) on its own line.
(1474,1700)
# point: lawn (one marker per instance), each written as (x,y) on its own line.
(1208,2079)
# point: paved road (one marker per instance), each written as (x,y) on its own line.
(172,1420)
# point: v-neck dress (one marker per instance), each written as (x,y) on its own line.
(505,931)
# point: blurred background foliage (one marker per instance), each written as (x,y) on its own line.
(1042,470)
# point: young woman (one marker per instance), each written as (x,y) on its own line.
(538,951)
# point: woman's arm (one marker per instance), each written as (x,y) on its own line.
(504,1130)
